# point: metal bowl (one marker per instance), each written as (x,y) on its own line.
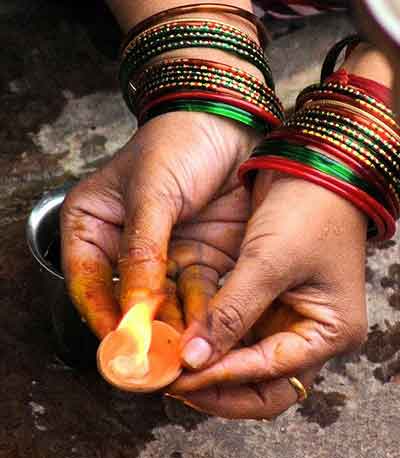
(75,343)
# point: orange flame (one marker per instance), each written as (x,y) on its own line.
(133,361)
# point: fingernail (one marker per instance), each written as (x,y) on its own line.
(197,352)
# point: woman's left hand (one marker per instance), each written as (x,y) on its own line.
(298,288)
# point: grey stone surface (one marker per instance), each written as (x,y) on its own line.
(61,115)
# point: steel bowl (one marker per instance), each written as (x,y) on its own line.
(75,343)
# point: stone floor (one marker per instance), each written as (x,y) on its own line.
(61,115)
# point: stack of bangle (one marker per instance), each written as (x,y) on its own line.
(343,136)
(151,88)
(188,83)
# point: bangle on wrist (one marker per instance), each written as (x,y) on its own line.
(383,224)
(151,88)
(345,137)
(213,8)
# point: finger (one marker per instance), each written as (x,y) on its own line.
(186,253)
(170,310)
(264,400)
(221,208)
(280,355)
(196,286)
(278,318)
(89,278)
(305,344)
(143,260)
(224,237)
(256,281)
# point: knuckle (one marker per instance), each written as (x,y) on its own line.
(142,248)
(330,341)
(69,202)
(70,208)
(343,336)
(227,321)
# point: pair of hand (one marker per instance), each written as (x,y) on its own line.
(295,252)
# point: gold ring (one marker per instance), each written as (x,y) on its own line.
(302,394)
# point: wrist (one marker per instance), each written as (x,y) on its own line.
(368,62)
(129,17)
(308,195)
(129,14)
(172,61)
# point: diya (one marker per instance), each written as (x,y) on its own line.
(142,354)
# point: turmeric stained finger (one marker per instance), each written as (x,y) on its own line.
(197,284)
(170,311)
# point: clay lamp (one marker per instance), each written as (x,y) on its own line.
(142,354)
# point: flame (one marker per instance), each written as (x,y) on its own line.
(134,362)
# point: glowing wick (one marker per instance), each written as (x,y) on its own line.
(133,361)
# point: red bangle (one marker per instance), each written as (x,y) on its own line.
(383,221)
(369,174)
(369,87)
(204,95)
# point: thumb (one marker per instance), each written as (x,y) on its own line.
(254,284)
(306,344)
(144,245)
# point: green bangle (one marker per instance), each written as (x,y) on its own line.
(184,32)
(319,162)
(189,33)
(130,65)
(353,139)
(160,42)
(206,106)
